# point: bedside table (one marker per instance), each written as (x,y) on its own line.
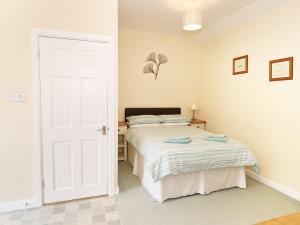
(122,142)
(201,124)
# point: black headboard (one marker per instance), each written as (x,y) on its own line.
(151,111)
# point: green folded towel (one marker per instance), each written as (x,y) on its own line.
(178,140)
(217,137)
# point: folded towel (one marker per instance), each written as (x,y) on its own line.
(217,137)
(178,141)
(178,138)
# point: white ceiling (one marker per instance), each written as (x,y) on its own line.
(166,15)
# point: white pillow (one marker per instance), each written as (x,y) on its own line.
(143,119)
(177,124)
(176,118)
(146,125)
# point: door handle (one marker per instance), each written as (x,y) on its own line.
(104,130)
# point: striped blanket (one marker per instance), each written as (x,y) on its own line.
(163,159)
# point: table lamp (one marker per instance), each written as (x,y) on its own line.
(194,107)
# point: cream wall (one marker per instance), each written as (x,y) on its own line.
(177,83)
(17,19)
(263,114)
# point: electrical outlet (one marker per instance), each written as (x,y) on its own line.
(17,97)
(16,92)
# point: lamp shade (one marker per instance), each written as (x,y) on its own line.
(192,20)
(194,106)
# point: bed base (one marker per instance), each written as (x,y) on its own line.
(184,184)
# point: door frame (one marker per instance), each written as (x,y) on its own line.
(36,106)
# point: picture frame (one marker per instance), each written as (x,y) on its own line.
(281,69)
(240,65)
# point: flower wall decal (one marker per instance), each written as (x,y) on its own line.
(157,61)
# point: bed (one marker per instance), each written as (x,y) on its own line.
(178,182)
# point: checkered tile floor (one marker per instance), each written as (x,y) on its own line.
(95,211)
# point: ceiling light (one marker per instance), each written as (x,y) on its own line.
(192,20)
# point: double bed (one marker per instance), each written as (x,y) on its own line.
(175,170)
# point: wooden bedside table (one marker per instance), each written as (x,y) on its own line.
(201,124)
(122,142)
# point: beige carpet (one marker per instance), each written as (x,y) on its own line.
(229,207)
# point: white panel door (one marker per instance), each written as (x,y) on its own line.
(74,78)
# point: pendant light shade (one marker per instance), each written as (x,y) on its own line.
(192,20)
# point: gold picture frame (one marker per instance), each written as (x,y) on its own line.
(240,65)
(281,69)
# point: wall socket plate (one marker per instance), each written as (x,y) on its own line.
(16,92)
(17,97)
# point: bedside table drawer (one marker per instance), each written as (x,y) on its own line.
(122,129)
(199,126)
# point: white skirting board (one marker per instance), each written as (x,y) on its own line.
(278,187)
(33,203)
(17,205)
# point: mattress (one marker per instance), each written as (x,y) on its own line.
(163,159)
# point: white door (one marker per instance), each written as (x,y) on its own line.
(74,77)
